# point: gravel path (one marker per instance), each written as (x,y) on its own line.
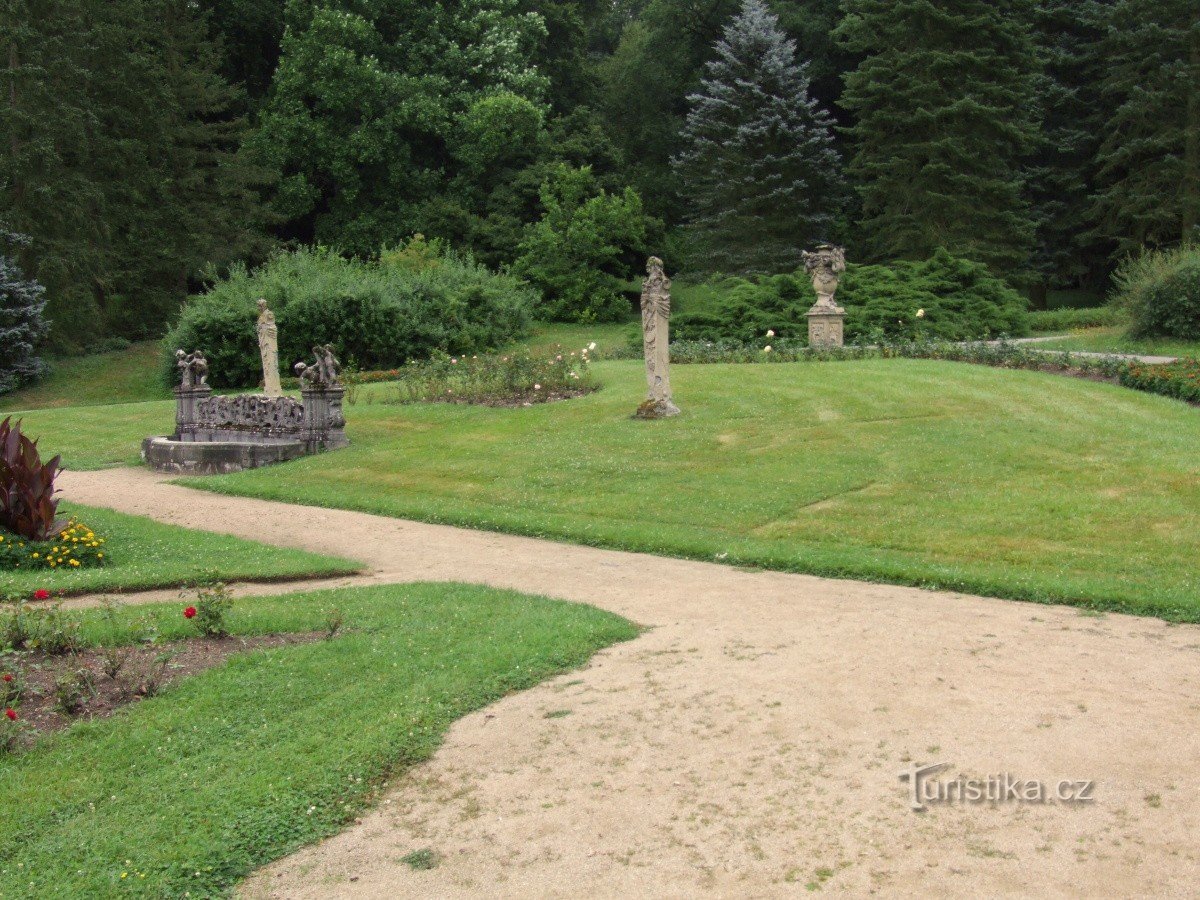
(749,743)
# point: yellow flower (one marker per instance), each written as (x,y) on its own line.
(36,555)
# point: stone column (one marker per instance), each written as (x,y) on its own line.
(656,343)
(186,400)
(324,421)
(825,327)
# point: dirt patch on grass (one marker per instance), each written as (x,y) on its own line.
(93,683)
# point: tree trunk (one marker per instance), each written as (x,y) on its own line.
(1039,295)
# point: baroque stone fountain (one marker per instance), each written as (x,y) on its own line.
(214,435)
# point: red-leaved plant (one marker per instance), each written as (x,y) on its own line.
(28,507)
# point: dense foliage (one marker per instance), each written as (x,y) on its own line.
(1161,291)
(377,314)
(943,297)
(147,142)
(763,178)
(579,251)
(22,325)
(942,99)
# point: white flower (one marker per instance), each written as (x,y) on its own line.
(920,313)
(592,345)
(770,332)
(767,349)
(537,387)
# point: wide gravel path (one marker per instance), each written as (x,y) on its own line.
(749,744)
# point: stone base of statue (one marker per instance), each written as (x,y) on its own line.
(656,409)
(826,326)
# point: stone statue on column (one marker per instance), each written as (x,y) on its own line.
(656,342)
(268,347)
(825,319)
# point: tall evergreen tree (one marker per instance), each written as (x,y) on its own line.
(1062,171)
(660,59)
(758,164)
(121,159)
(1150,158)
(944,104)
(22,326)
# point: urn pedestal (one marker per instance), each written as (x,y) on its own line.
(186,401)
(825,326)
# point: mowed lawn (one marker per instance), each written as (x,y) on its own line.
(184,794)
(143,554)
(1015,484)
(123,376)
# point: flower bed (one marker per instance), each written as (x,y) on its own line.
(76,547)
(510,379)
(1180,380)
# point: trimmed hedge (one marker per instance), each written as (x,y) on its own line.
(1069,319)
(377,314)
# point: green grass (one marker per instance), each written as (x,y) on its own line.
(145,554)
(1014,484)
(123,376)
(190,791)
(549,336)
(1115,340)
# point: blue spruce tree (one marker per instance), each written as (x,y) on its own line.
(758,164)
(22,325)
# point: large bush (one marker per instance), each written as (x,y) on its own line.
(961,301)
(583,248)
(1161,290)
(377,314)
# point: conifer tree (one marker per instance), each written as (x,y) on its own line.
(758,166)
(1061,173)
(121,160)
(21,324)
(1149,162)
(944,99)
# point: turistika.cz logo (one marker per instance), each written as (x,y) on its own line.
(925,789)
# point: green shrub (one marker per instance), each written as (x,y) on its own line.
(1161,291)
(962,301)
(1066,319)
(943,297)
(583,248)
(377,314)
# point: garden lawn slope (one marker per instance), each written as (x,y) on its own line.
(1014,484)
(188,792)
(144,554)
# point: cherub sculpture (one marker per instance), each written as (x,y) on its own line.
(193,369)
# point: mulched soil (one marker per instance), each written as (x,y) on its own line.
(143,671)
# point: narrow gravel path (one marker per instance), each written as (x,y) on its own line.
(749,743)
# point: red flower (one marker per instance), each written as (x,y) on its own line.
(8,678)
(41,594)
(12,714)
(190,612)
